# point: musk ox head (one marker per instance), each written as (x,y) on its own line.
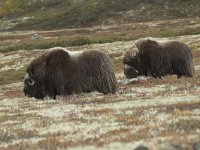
(33,88)
(34,81)
(131,61)
(158,59)
(62,72)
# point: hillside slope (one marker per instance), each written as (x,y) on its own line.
(44,15)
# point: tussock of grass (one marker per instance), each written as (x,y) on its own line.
(21,133)
(130,120)
(189,126)
(6,136)
(104,111)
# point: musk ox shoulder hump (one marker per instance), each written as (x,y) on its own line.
(70,53)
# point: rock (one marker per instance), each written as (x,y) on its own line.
(36,36)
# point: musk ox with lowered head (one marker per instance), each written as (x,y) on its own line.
(62,72)
(158,59)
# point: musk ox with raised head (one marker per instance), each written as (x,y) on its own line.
(157,59)
(62,72)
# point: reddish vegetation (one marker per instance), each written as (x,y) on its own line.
(154,112)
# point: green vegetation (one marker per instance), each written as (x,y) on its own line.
(84,36)
(45,44)
(14,8)
(10,8)
(48,14)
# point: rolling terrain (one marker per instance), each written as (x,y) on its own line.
(154,114)
(62,14)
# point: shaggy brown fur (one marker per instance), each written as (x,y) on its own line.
(61,72)
(158,59)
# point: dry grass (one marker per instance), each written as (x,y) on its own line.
(105,34)
(185,125)
(151,112)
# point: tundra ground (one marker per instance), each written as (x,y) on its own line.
(154,113)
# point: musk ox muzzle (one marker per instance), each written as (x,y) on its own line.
(62,72)
(130,72)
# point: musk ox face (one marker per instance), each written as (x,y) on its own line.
(130,72)
(33,88)
(131,63)
(61,72)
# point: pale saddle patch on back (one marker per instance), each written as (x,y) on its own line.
(74,53)
(71,53)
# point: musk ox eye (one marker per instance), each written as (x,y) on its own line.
(30,82)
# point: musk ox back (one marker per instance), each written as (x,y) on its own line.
(158,59)
(61,72)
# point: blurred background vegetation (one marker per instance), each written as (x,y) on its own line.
(56,14)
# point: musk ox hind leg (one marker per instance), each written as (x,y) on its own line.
(108,84)
(184,70)
(104,78)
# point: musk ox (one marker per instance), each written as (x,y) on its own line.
(62,72)
(157,59)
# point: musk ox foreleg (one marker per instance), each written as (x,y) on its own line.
(52,92)
(179,76)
